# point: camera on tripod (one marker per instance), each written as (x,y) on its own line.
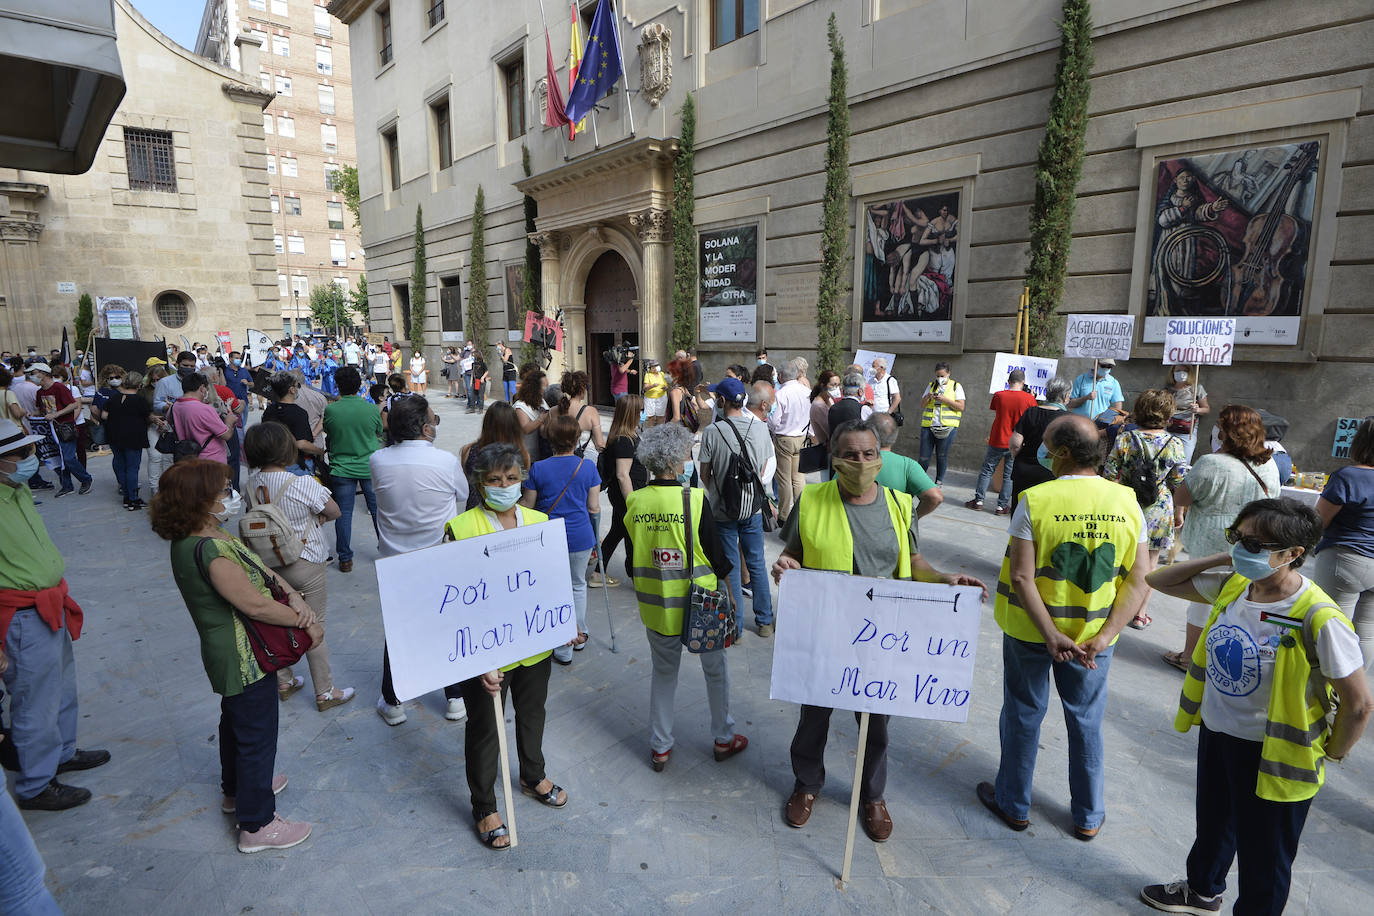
(619,353)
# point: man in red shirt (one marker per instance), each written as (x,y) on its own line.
(58,406)
(1008,405)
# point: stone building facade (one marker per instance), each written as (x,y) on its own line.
(172,214)
(1261,102)
(309,130)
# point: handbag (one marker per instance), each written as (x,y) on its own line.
(813,457)
(1179,426)
(274,646)
(709,623)
(65,432)
(896,415)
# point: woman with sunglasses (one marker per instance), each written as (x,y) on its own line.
(1275,657)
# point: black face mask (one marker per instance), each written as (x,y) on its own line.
(183,371)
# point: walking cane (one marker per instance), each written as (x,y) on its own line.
(601,568)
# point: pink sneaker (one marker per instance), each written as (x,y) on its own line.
(228,804)
(280,834)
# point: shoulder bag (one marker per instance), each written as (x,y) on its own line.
(1263,488)
(274,646)
(559,499)
(896,415)
(709,623)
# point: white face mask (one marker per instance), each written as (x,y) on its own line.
(834,393)
(231,505)
(1180,377)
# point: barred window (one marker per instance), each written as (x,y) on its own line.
(150,160)
(171,310)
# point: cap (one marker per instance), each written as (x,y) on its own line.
(154,361)
(12,436)
(39,366)
(1106,362)
(732,389)
(650,361)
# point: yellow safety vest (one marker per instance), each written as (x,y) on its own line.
(1086,530)
(948,415)
(1293,756)
(828,543)
(475,523)
(662,572)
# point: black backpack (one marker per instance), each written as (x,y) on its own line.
(737,482)
(1143,473)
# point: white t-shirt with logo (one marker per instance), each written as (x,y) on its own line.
(1240,657)
(884,392)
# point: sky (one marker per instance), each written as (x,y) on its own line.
(179,20)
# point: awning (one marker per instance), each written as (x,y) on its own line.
(60,82)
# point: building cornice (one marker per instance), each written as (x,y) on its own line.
(348,11)
(649,152)
(242,92)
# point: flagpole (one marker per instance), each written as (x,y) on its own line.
(624,73)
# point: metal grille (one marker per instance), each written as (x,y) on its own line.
(151,162)
(435,13)
(171,310)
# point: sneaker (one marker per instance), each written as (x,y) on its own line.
(974,504)
(63,492)
(41,485)
(765,630)
(55,797)
(457,711)
(84,760)
(85,488)
(228,803)
(280,834)
(1002,510)
(746,591)
(391,715)
(1178,897)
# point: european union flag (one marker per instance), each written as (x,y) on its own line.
(600,64)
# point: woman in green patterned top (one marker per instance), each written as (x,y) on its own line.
(217,574)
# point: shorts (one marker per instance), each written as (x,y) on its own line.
(656,407)
(420,379)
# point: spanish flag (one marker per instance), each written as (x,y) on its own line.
(574,62)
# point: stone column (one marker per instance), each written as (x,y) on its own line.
(574,336)
(655,229)
(27,322)
(550,278)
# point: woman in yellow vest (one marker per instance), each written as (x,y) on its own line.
(497,474)
(664,572)
(1262,705)
(942,408)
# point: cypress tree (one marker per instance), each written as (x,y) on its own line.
(832,296)
(85,319)
(477,275)
(1057,171)
(684,334)
(531,275)
(417,288)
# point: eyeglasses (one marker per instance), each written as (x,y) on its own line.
(1249,542)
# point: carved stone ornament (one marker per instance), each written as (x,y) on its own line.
(655,62)
(541,96)
(653,225)
(547,243)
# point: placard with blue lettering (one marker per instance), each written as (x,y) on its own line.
(464,608)
(1345,436)
(1038,369)
(888,646)
(1199,341)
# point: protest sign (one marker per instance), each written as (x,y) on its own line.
(1345,436)
(887,646)
(864,359)
(1099,336)
(1199,341)
(464,608)
(1038,371)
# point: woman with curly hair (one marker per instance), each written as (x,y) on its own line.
(501,424)
(529,403)
(222,581)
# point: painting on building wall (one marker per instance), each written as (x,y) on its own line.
(910,251)
(515,300)
(728,260)
(1231,236)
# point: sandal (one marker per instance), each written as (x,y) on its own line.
(1176,660)
(730,748)
(334,697)
(1141,621)
(489,837)
(549,798)
(284,692)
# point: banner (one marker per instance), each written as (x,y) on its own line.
(258,347)
(118,316)
(876,645)
(1038,371)
(1345,436)
(1099,336)
(464,608)
(1199,341)
(226,342)
(728,285)
(543,330)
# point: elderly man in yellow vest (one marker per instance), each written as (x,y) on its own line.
(851,524)
(1073,575)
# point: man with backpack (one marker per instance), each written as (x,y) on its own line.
(735,452)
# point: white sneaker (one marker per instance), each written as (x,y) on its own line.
(280,834)
(391,715)
(457,711)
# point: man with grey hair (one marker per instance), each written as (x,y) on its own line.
(850,406)
(887,394)
(1008,406)
(789,423)
(903,474)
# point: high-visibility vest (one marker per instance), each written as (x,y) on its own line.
(662,571)
(948,415)
(476,522)
(1086,531)
(828,543)
(1293,755)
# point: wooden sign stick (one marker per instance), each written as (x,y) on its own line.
(854,797)
(505,763)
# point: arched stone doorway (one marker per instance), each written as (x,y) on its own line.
(612,317)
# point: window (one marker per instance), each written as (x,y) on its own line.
(150,161)
(384,35)
(392,162)
(171,310)
(293,206)
(326,100)
(279,8)
(342,283)
(434,12)
(286,126)
(322,23)
(324,60)
(271,164)
(288,166)
(443,133)
(334,210)
(513,77)
(257,5)
(295,244)
(265,80)
(276,203)
(281,46)
(338,252)
(277,243)
(282,289)
(266,123)
(329,138)
(283,85)
(732,19)
(331,177)
(300,286)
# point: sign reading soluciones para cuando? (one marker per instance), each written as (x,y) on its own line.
(1199,341)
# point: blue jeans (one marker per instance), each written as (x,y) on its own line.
(42,683)
(510,387)
(990,460)
(577,565)
(126,462)
(248,751)
(70,465)
(941,449)
(21,867)
(345,490)
(1025,697)
(747,537)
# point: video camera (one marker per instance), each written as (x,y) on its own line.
(619,353)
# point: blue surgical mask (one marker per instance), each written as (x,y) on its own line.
(762,361)
(27,467)
(1103,373)
(642,417)
(686,476)
(502,498)
(1043,456)
(773,408)
(236,363)
(1253,566)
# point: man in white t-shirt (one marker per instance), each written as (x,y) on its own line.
(887,394)
(352,353)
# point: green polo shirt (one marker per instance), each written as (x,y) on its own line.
(353,431)
(904,475)
(29,560)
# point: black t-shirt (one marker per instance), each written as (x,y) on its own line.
(843,411)
(126,421)
(508,370)
(294,418)
(1026,470)
(621,447)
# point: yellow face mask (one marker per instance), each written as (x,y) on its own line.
(856,477)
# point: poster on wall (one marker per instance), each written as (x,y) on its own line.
(515,301)
(1232,238)
(118,316)
(909,247)
(728,265)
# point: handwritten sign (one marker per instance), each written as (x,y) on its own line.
(1038,371)
(1099,336)
(464,608)
(543,330)
(876,645)
(1345,436)
(864,359)
(1199,341)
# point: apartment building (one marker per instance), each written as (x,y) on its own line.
(309,129)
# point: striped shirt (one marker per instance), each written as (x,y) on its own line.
(302,502)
